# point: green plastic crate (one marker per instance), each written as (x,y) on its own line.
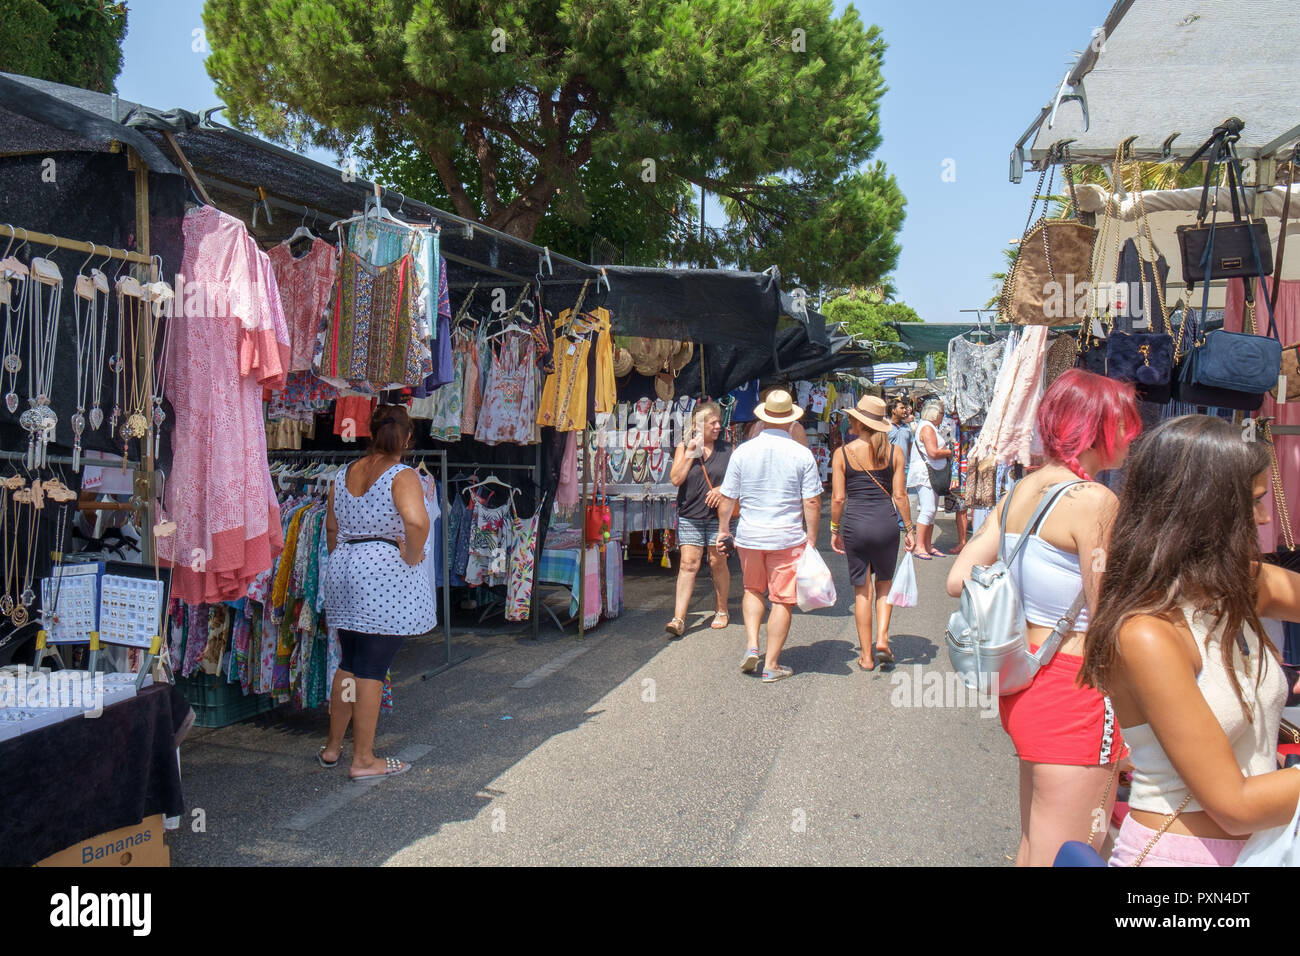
(217,703)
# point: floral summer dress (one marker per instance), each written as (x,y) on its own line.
(509,406)
(523,559)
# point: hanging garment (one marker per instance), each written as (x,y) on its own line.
(566,492)
(613,582)
(489,546)
(382,242)
(508,413)
(434,543)
(972,375)
(219,492)
(1008,433)
(447,404)
(471,394)
(305,282)
(370,342)
(569,391)
(352,416)
(523,561)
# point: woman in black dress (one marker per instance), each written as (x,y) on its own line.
(868,496)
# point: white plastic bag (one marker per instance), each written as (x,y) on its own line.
(814,587)
(1276,846)
(903,591)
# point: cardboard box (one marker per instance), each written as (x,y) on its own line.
(138,845)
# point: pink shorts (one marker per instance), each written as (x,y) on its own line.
(1172,849)
(771,572)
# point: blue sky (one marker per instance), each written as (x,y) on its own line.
(965,78)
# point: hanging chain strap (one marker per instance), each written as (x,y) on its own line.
(1279,493)
(1004,302)
(1169,821)
(1097,821)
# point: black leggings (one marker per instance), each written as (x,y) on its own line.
(368,656)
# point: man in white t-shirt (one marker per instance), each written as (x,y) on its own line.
(774,480)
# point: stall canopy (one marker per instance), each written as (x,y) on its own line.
(925,337)
(1166,73)
(740,310)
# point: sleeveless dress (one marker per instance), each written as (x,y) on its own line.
(868,523)
(368,587)
(509,400)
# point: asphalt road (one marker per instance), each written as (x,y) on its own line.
(626,748)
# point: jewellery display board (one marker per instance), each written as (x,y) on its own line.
(71,595)
(130,610)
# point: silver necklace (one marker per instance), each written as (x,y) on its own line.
(13,343)
(161,296)
(40,420)
(100,352)
(84,308)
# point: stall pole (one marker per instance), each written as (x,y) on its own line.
(582,542)
(445,505)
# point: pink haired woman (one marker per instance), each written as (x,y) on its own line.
(1066,736)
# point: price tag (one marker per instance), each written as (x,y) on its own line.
(572,349)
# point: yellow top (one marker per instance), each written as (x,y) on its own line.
(563,405)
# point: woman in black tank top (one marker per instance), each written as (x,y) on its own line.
(868,496)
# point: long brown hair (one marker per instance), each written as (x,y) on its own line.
(1185,534)
(881,450)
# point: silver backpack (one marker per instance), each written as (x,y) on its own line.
(986,634)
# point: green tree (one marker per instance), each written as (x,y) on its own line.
(78,42)
(772,105)
(871,320)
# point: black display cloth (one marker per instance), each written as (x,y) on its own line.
(82,777)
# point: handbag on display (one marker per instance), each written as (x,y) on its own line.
(1091,348)
(1146,359)
(598,522)
(1053,255)
(1239,249)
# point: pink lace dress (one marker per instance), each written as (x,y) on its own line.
(509,396)
(228,342)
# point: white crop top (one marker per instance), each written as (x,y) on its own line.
(1157,787)
(1048,579)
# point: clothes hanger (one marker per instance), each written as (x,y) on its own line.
(302,232)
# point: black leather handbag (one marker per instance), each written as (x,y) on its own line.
(1239,249)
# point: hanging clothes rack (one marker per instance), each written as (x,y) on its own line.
(419,454)
(76,245)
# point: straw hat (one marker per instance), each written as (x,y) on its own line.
(664,386)
(779,408)
(871,412)
(651,355)
(622,362)
(681,357)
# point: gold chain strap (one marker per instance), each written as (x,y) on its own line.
(1169,821)
(1144,231)
(1097,820)
(1279,493)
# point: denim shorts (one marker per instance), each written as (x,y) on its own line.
(699,532)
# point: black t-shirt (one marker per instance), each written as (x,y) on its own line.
(692,492)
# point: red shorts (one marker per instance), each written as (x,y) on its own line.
(1053,721)
(771,572)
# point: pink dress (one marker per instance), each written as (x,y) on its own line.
(305,282)
(228,341)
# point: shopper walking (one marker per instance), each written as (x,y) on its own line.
(900,429)
(775,482)
(929,453)
(699,466)
(868,499)
(1065,736)
(1177,644)
(377,589)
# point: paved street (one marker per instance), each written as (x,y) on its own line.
(627,749)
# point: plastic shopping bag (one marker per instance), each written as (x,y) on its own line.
(814,587)
(1276,846)
(903,591)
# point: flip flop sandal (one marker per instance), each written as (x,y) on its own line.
(392,767)
(676,627)
(320,759)
(882,655)
(922,557)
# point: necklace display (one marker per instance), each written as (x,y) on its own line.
(39,421)
(160,296)
(99,342)
(11,270)
(8,533)
(130,299)
(85,304)
(19,615)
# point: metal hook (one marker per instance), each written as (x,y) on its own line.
(88,258)
(24,242)
(13,234)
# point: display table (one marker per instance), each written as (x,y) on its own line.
(73,780)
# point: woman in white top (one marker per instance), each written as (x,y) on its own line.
(928,452)
(1178,645)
